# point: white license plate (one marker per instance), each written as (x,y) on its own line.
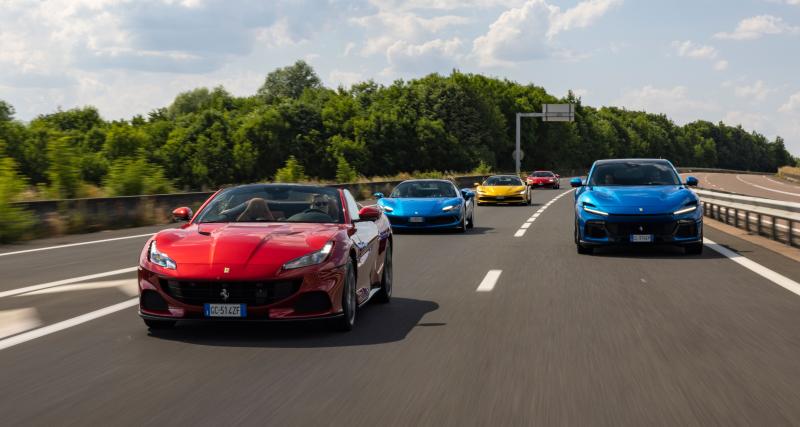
(416,219)
(225,310)
(641,238)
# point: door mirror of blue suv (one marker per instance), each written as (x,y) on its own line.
(691,181)
(378,195)
(576,182)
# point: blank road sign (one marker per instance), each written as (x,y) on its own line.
(558,112)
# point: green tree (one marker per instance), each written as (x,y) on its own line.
(14,222)
(344,172)
(64,171)
(289,82)
(292,171)
(128,177)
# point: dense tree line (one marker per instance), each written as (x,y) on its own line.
(207,137)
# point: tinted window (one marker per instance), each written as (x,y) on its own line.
(424,189)
(543,174)
(503,181)
(634,173)
(274,203)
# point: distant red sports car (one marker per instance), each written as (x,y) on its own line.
(543,179)
(268,252)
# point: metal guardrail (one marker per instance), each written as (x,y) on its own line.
(781,225)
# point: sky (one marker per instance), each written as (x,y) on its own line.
(737,61)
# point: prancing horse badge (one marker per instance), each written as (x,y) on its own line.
(226,270)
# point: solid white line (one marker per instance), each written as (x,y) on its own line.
(519,233)
(60,326)
(65,282)
(765,188)
(536,215)
(75,244)
(127,286)
(488,282)
(526,225)
(759,269)
(13,322)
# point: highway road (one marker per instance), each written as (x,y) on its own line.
(766,186)
(503,325)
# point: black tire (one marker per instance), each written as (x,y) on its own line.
(693,249)
(347,321)
(154,325)
(462,226)
(384,295)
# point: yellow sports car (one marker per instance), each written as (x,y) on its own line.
(503,189)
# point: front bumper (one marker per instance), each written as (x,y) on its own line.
(401,222)
(618,229)
(309,294)
(516,198)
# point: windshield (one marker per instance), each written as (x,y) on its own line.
(424,190)
(543,174)
(634,173)
(503,181)
(274,203)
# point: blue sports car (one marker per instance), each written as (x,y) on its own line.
(636,202)
(428,203)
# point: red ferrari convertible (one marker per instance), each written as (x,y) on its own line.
(543,179)
(268,252)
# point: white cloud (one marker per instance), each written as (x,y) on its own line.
(386,28)
(758,26)
(689,49)
(441,4)
(526,32)
(792,104)
(745,119)
(757,91)
(674,102)
(338,78)
(434,55)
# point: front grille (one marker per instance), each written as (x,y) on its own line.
(398,220)
(436,220)
(250,293)
(503,200)
(624,229)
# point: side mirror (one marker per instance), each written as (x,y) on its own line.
(691,181)
(576,182)
(476,184)
(182,214)
(558,176)
(369,213)
(467,193)
(378,195)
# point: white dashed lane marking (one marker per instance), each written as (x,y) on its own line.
(527,224)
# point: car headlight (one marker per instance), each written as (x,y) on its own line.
(594,211)
(160,258)
(450,208)
(685,210)
(310,259)
(522,192)
(387,209)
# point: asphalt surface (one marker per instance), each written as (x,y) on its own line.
(769,187)
(624,337)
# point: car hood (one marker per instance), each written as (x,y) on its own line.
(500,190)
(422,207)
(243,248)
(638,199)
